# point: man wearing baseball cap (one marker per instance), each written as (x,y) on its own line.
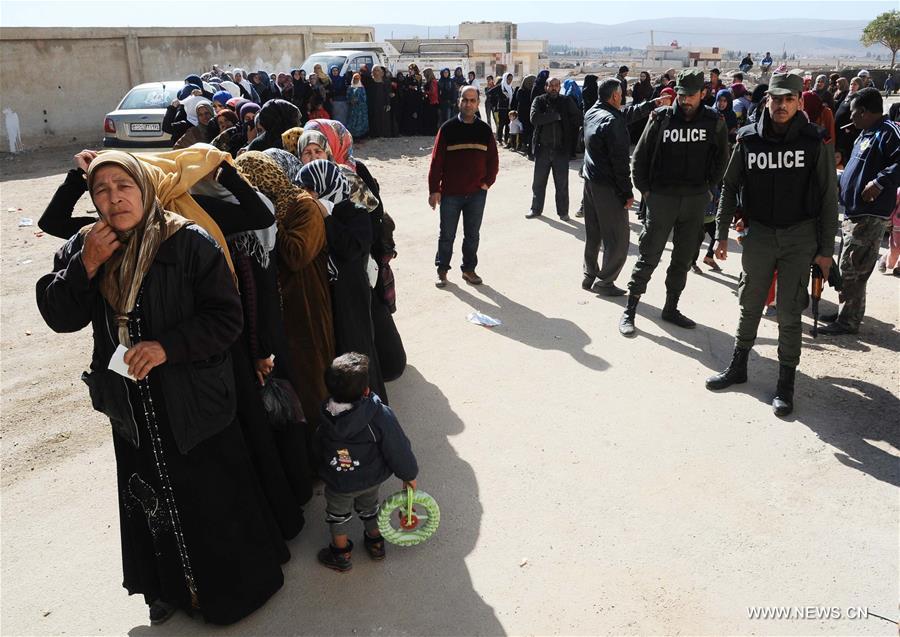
(785,178)
(678,161)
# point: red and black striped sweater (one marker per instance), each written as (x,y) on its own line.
(463,159)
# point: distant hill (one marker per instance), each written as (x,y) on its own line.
(804,37)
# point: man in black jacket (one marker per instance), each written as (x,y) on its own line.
(556,119)
(681,157)
(607,184)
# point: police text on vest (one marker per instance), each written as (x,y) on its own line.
(684,135)
(781,159)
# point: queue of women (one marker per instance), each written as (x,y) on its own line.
(231,110)
(223,270)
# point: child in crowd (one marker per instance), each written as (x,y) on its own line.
(359,444)
(515,130)
(316,109)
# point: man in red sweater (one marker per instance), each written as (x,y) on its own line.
(464,165)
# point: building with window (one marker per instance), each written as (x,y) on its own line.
(488,48)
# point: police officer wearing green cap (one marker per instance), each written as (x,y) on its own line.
(678,161)
(785,178)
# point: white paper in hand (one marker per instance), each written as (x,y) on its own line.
(117,362)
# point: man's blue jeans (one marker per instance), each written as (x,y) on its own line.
(471,207)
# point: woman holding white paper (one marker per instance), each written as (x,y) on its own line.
(195,532)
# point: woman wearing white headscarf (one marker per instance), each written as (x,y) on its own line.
(200,114)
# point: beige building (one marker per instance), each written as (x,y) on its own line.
(488,48)
(675,56)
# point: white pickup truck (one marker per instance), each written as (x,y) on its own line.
(350,56)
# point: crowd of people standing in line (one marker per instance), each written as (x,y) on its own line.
(231,109)
(233,270)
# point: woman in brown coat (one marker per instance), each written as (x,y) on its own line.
(303,278)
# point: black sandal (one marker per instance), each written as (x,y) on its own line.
(374,547)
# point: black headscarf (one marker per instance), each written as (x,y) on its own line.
(264,88)
(302,91)
(590,91)
(275,117)
(540,84)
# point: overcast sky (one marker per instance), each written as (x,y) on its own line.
(116,13)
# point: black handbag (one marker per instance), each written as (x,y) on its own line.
(281,403)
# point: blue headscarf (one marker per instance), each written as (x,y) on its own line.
(195,80)
(571,88)
(186,91)
(338,83)
(222,97)
(326,180)
(728,113)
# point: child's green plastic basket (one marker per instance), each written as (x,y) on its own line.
(419,517)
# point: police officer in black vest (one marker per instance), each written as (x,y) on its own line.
(677,163)
(785,178)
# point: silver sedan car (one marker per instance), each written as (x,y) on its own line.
(137,121)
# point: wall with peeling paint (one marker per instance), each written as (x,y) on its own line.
(62,81)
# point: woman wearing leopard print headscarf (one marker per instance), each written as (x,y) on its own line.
(302,262)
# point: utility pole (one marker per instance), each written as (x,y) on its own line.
(651,37)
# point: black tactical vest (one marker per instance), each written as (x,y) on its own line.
(684,149)
(780,187)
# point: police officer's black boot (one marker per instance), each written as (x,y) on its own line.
(626,323)
(783,403)
(671,314)
(735,374)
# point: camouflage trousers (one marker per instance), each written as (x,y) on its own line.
(862,238)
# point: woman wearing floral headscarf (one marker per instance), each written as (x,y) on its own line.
(351,272)
(150,281)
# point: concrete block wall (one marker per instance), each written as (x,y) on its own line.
(56,84)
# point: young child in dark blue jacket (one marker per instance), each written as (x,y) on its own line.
(359,445)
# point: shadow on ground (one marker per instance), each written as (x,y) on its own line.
(416,591)
(529,327)
(846,413)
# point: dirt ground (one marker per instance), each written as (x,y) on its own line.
(589,484)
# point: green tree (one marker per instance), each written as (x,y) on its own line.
(884,30)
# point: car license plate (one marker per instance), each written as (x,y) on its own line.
(143,127)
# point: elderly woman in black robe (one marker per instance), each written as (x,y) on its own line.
(195,532)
